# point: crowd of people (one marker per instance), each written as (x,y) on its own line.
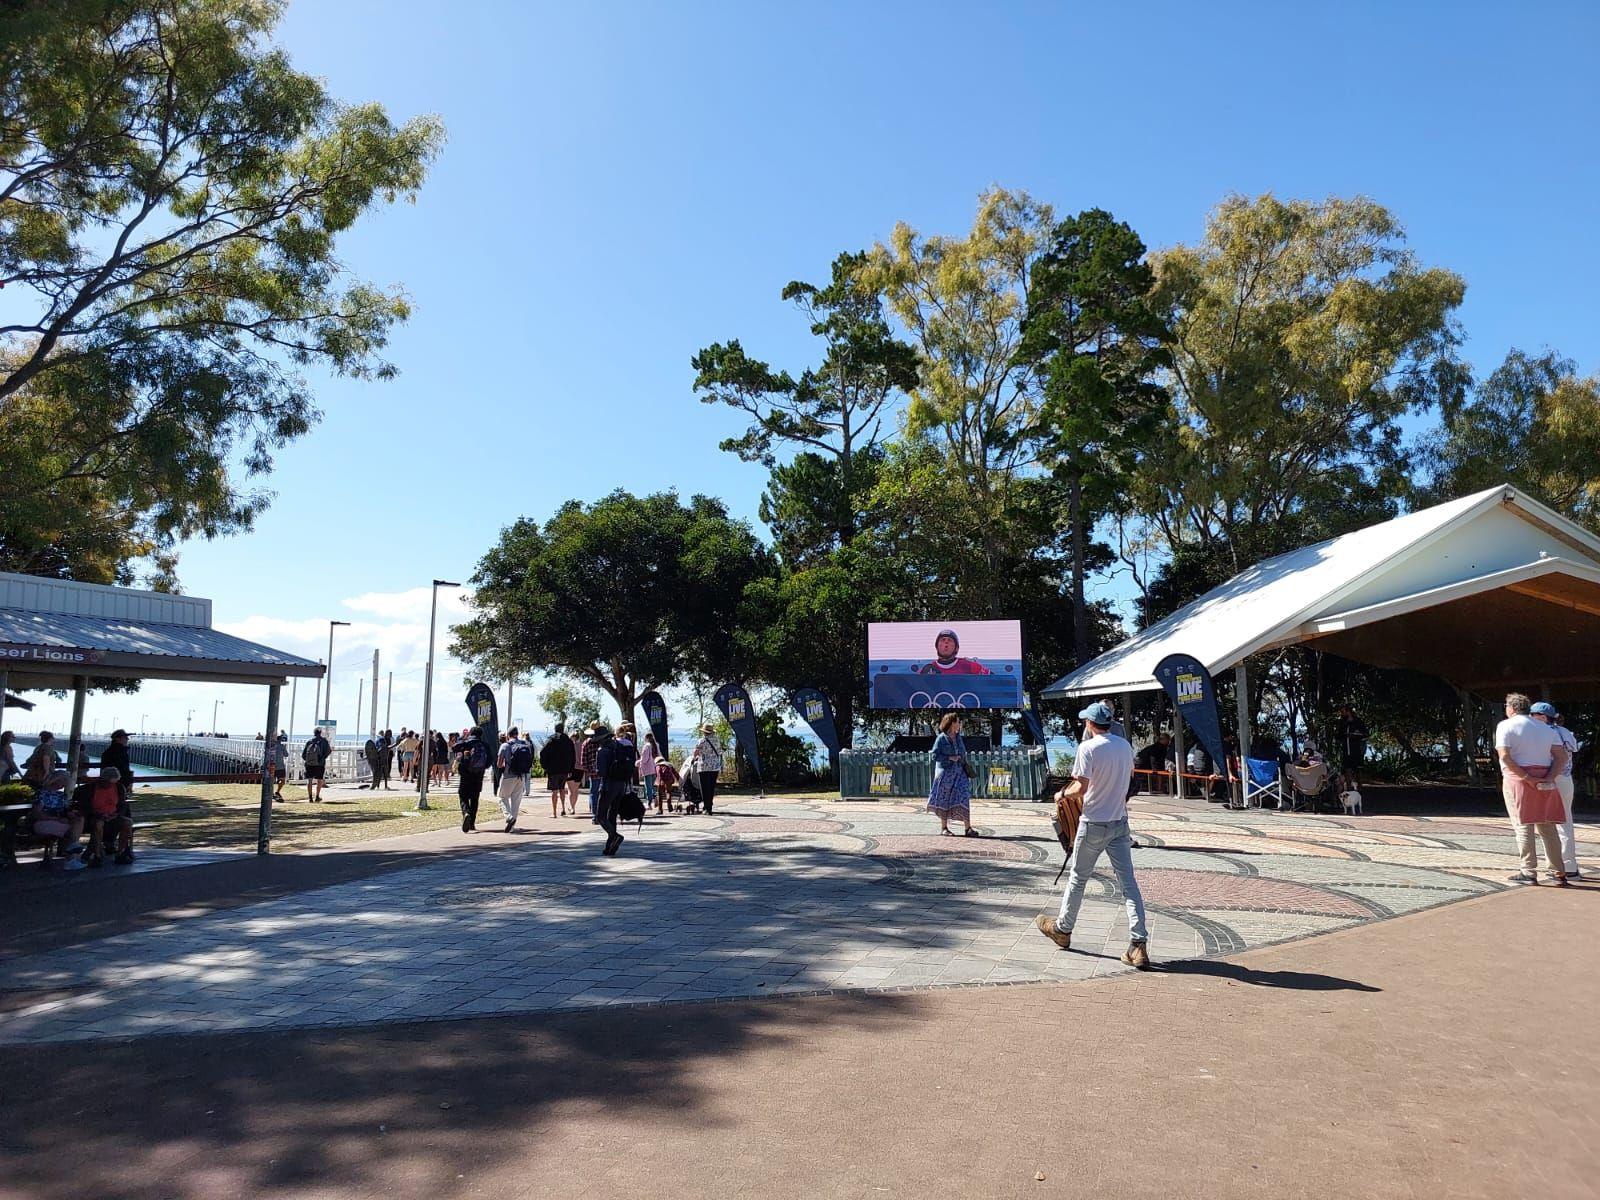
(619,775)
(64,811)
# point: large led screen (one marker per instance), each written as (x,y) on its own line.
(945,664)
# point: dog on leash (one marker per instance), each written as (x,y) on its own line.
(1351,802)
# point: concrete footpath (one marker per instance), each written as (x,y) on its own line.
(1445,1053)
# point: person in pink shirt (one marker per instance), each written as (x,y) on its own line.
(649,755)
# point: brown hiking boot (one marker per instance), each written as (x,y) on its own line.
(1137,956)
(1046,924)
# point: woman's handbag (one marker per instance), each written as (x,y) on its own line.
(969,769)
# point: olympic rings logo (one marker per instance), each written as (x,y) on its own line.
(942,700)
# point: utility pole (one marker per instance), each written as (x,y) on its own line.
(327,705)
(360,684)
(373,730)
(388,705)
(427,697)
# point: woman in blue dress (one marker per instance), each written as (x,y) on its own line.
(952,791)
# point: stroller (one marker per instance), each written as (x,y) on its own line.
(693,801)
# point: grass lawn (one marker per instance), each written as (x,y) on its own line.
(223,816)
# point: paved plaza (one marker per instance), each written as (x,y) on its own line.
(772,897)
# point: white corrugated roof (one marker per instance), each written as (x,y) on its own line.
(1495,530)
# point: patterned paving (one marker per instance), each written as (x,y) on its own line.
(764,898)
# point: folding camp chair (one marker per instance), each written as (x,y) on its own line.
(1310,784)
(1261,779)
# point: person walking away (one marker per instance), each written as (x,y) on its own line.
(1547,714)
(648,757)
(557,756)
(708,764)
(588,760)
(1531,759)
(1350,739)
(472,764)
(280,765)
(116,757)
(315,755)
(1100,775)
(951,794)
(515,763)
(497,773)
(617,763)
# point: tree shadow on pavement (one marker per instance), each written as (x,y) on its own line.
(1302,981)
(408,1109)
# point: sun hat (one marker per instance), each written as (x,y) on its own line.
(708,728)
(1100,713)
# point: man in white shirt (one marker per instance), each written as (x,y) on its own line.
(1547,714)
(1100,775)
(1531,759)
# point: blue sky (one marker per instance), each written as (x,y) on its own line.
(625,183)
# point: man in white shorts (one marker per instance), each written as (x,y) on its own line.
(1100,775)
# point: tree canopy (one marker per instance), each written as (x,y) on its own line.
(627,593)
(172,194)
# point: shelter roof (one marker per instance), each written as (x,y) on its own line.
(1497,541)
(51,630)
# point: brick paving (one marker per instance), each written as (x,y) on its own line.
(779,897)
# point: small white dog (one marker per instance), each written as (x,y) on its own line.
(1351,801)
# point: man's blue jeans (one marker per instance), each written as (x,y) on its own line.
(1111,839)
(594,791)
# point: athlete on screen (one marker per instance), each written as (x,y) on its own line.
(946,661)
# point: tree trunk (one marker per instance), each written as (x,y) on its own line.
(1080,611)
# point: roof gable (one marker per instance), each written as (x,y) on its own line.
(1265,605)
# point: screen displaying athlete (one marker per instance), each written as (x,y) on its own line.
(946,660)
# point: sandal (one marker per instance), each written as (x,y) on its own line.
(946,833)
(972,833)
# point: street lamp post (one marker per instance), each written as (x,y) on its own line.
(188,724)
(427,696)
(215,704)
(327,699)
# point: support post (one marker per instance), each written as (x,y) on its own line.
(1241,684)
(388,705)
(372,731)
(1127,715)
(1177,749)
(269,756)
(3,676)
(361,686)
(294,694)
(80,689)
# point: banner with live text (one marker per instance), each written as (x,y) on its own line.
(735,704)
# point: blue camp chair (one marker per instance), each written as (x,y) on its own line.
(1262,779)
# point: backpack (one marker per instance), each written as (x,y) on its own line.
(475,758)
(1069,812)
(312,754)
(520,760)
(620,768)
(630,807)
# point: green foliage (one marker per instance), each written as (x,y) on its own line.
(1532,423)
(1096,344)
(785,758)
(171,196)
(1303,332)
(16,793)
(625,593)
(574,706)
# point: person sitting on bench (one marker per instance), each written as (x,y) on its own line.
(108,816)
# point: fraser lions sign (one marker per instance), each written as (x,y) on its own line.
(18,652)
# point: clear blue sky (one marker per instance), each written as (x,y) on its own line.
(625,183)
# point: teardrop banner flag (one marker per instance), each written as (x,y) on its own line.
(485,715)
(1194,695)
(655,712)
(735,704)
(816,712)
(1030,715)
